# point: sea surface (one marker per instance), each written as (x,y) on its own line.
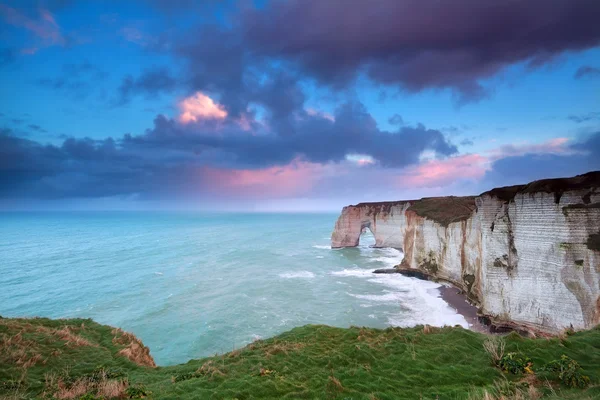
(192,285)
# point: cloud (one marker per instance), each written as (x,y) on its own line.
(294,179)
(150,83)
(553,146)
(517,168)
(200,107)
(36,128)
(44,26)
(75,80)
(186,154)
(396,119)
(441,172)
(420,44)
(584,117)
(136,36)
(587,72)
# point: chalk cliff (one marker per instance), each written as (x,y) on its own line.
(526,255)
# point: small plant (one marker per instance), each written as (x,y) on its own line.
(89,396)
(494,346)
(184,376)
(515,363)
(569,372)
(10,385)
(101,373)
(137,392)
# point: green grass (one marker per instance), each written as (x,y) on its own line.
(444,210)
(309,362)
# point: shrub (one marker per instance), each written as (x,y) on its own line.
(137,392)
(515,363)
(184,376)
(569,372)
(89,396)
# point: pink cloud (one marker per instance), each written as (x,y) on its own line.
(200,107)
(294,179)
(443,172)
(552,146)
(44,27)
(434,173)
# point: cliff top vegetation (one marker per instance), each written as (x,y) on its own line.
(78,358)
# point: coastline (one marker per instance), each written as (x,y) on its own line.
(452,295)
(458,301)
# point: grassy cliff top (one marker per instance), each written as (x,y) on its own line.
(558,186)
(77,358)
(448,209)
(443,210)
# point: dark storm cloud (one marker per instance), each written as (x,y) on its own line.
(84,168)
(312,138)
(420,44)
(150,83)
(587,72)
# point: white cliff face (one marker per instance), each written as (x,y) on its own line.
(523,260)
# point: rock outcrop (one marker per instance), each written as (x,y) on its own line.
(527,255)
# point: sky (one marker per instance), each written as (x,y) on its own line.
(291,105)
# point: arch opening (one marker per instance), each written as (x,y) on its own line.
(366,237)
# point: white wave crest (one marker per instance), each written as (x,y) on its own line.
(322,247)
(297,274)
(359,272)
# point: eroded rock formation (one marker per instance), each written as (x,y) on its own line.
(527,255)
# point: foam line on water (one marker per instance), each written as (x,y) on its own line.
(297,274)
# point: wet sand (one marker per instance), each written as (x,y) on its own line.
(459,302)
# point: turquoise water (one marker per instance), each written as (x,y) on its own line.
(192,285)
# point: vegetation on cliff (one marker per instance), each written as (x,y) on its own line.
(557,186)
(76,358)
(444,210)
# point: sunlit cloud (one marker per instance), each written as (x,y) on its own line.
(360,159)
(200,107)
(312,112)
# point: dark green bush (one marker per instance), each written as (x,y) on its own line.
(10,385)
(184,376)
(568,371)
(89,396)
(515,363)
(137,392)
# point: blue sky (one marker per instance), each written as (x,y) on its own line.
(294,105)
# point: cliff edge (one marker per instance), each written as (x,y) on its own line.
(526,255)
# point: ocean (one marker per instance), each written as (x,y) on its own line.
(193,284)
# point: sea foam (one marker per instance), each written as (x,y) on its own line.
(297,274)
